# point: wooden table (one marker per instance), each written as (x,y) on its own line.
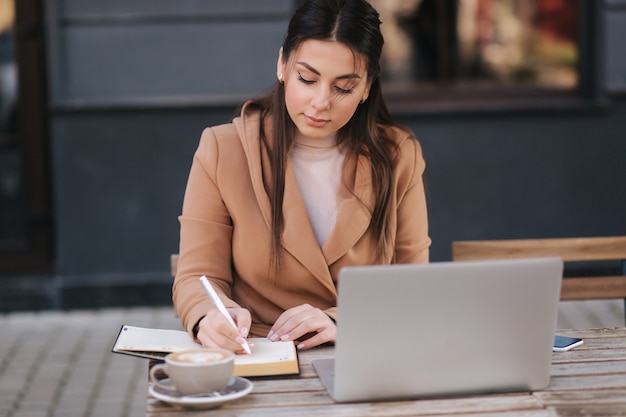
(587,381)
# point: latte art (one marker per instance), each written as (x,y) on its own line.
(195,371)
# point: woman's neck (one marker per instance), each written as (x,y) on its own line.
(321,143)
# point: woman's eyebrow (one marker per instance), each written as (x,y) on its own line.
(341,77)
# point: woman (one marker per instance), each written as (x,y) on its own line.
(310,178)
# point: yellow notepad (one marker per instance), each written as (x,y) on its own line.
(267,357)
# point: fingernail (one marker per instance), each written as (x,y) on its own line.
(244,331)
(284,337)
(300,346)
(274,337)
(270,335)
(240,340)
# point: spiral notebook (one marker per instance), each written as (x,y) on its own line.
(267,357)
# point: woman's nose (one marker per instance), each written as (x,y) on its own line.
(321,100)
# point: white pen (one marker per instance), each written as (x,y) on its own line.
(220,307)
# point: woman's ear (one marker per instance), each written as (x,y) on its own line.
(366,93)
(280,67)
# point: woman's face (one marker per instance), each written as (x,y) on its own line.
(324,85)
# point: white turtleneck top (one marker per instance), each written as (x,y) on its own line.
(317,165)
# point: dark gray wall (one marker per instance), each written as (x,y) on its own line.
(133,86)
(140,52)
(121,178)
(550,174)
(489,176)
(614,18)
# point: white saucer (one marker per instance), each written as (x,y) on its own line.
(237,387)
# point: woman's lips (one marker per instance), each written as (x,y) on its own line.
(315,122)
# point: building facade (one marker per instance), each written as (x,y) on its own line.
(130,84)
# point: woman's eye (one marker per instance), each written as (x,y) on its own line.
(344,90)
(340,90)
(304,80)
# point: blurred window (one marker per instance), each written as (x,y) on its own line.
(479,48)
(25,206)
(10,202)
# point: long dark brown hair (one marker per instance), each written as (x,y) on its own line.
(356,24)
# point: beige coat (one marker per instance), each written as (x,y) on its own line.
(225,228)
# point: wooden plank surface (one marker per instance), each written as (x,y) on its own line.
(569,249)
(596,288)
(589,380)
(521,404)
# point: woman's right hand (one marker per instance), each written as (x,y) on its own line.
(214,330)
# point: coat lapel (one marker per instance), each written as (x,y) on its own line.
(298,236)
(354,206)
(248,130)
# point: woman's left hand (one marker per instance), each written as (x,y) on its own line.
(302,320)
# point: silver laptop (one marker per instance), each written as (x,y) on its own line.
(449,328)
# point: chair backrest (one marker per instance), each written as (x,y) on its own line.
(570,250)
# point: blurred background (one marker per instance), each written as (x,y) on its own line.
(520,106)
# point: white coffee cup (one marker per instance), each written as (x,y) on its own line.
(196,371)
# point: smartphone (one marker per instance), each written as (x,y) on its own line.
(564,343)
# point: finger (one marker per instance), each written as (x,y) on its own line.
(206,341)
(243,320)
(305,330)
(282,330)
(289,320)
(214,339)
(284,317)
(312,320)
(216,331)
(320,338)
